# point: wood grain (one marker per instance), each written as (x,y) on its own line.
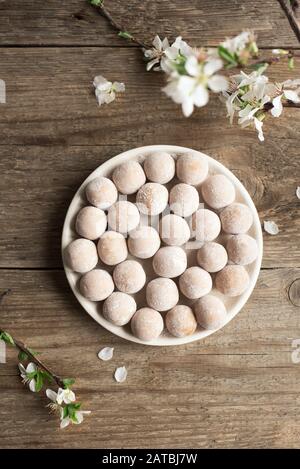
(33,219)
(237,388)
(27,22)
(50,101)
(209,393)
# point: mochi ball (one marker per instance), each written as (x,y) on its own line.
(233,280)
(212,257)
(169,261)
(81,255)
(91,222)
(205,225)
(195,282)
(242,249)
(129,177)
(162,294)
(112,248)
(192,168)
(210,312)
(96,285)
(129,276)
(159,167)
(218,191)
(143,242)
(119,308)
(180,321)
(101,192)
(236,218)
(152,198)
(174,230)
(123,216)
(147,324)
(184,199)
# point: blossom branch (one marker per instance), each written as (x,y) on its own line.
(291,9)
(193,74)
(28,352)
(99,6)
(34,375)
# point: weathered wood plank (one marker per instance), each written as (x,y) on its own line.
(237,388)
(50,100)
(200,21)
(38,183)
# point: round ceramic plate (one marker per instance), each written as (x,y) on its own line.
(233,305)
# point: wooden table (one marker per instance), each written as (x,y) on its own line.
(237,388)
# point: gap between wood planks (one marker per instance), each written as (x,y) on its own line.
(111,46)
(61,269)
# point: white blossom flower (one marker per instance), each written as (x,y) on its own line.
(249,96)
(192,89)
(77,418)
(155,54)
(25,375)
(238,43)
(68,397)
(65,396)
(163,55)
(105,90)
(291,90)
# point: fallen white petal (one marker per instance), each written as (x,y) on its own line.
(119,87)
(99,80)
(298,192)
(271,227)
(106,353)
(121,374)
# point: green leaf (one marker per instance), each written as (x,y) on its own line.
(46,375)
(32,374)
(22,356)
(68,382)
(6,337)
(96,3)
(72,409)
(125,35)
(39,381)
(227,56)
(260,67)
(291,63)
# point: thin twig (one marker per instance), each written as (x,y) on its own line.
(103,11)
(289,8)
(291,104)
(22,347)
(274,59)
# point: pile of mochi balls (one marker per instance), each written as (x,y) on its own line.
(111,227)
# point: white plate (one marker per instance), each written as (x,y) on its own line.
(233,305)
